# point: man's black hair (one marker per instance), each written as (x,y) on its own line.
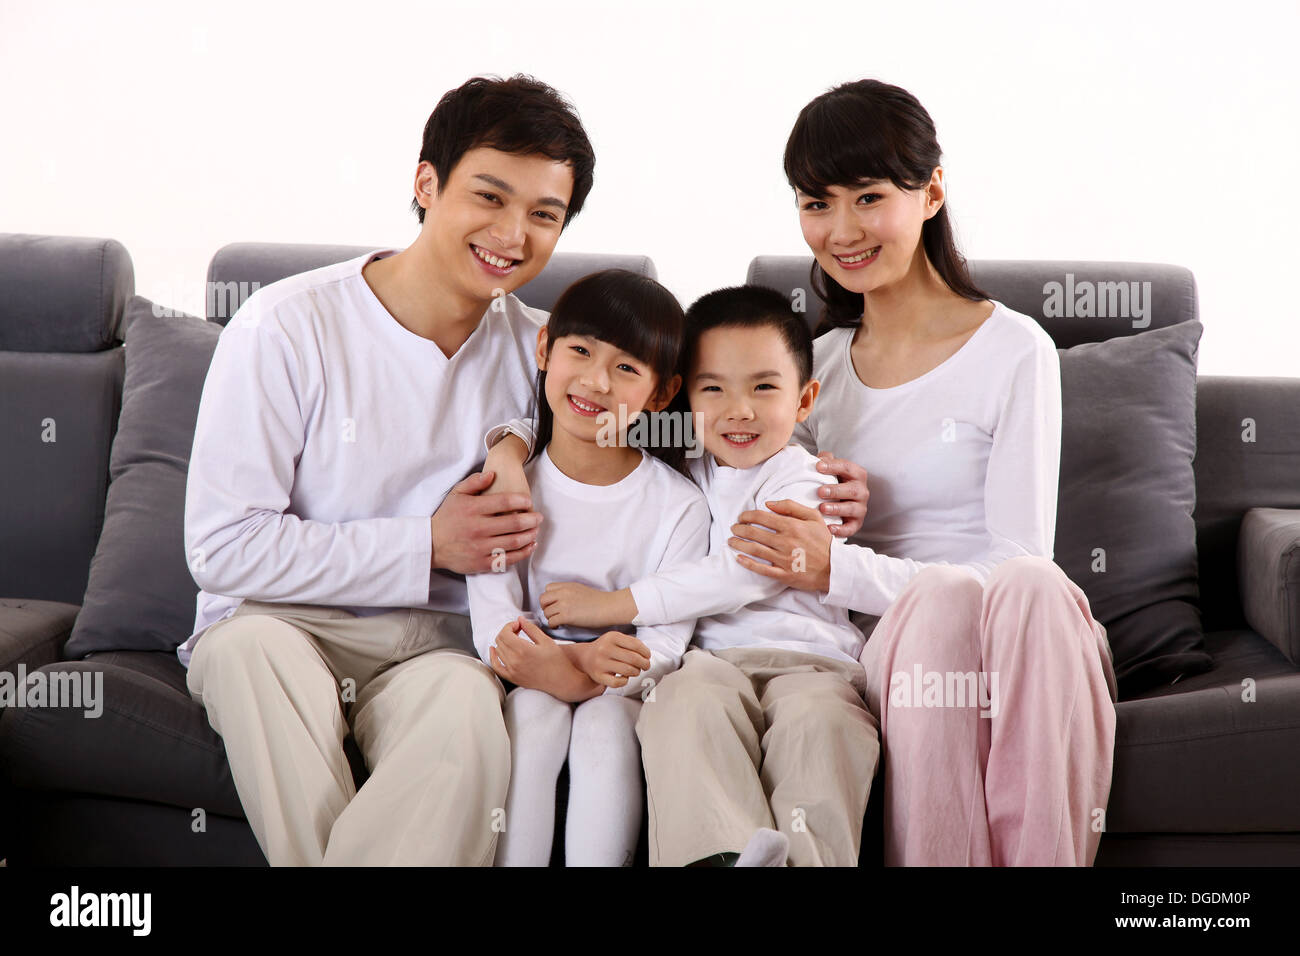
(518,115)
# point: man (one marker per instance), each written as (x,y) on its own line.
(340,413)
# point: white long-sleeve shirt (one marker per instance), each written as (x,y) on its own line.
(327,436)
(606,537)
(738,607)
(962,462)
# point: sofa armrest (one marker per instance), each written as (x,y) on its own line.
(1268,568)
(32,634)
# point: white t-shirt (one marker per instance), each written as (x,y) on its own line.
(737,607)
(962,462)
(603,536)
(327,436)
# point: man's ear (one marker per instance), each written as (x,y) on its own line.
(807,399)
(664,396)
(426,184)
(542,342)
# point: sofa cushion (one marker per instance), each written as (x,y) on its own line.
(1214,753)
(141,595)
(1124,526)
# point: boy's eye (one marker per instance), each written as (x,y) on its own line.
(710,388)
(764,385)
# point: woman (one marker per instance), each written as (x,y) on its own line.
(992,683)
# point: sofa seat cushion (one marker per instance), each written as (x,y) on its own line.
(1215,752)
(32,633)
(152,741)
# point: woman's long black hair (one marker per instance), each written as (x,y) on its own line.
(630,311)
(871,130)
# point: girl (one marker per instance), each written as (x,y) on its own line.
(953,403)
(613,514)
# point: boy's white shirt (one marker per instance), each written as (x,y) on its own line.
(737,607)
(606,537)
(327,436)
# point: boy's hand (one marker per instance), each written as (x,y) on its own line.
(569,604)
(469,525)
(525,655)
(612,659)
(846,500)
(798,546)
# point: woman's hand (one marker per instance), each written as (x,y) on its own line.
(846,500)
(798,546)
(531,659)
(569,604)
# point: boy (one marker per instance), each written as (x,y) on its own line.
(764,727)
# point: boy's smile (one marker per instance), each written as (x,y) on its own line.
(745,385)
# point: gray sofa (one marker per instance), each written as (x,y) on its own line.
(1201,777)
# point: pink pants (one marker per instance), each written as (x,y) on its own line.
(996,705)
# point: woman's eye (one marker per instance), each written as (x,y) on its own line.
(809,206)
(873,196)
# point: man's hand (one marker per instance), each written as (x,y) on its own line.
(470,525)
(848,499)
(525,655)
(569,604)
(612,659)
(798,546)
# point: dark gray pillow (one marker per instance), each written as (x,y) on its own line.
(140,595)
(1127,494)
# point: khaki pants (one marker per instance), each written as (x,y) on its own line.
(282,684)
(750,737)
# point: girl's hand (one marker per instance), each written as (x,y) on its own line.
(531,659)
(798,546)
(612,659)
(846,500)
(569,604)
(505,460)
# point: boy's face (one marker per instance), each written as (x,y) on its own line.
(499,205)
(745,385)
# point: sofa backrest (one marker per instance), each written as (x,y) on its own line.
(240,269)
(61,364)
(1074,301)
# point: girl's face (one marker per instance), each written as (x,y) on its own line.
(587,380)
(867,237)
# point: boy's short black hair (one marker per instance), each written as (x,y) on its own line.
(519,115)
(749,306)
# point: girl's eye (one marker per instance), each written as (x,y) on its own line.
(579,349)
(624,365)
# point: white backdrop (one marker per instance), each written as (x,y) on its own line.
(1161,132)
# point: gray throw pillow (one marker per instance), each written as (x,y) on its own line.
(140,595)
(1124,527)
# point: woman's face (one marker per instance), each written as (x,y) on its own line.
(868,236)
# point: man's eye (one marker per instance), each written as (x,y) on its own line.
(489,196)
(549,215)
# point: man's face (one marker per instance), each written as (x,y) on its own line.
(497,221)
(745,385)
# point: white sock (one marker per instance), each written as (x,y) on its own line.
(765,848)
(539,726)
(605,783)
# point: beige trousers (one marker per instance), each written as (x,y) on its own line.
(282,684)
(748,738)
